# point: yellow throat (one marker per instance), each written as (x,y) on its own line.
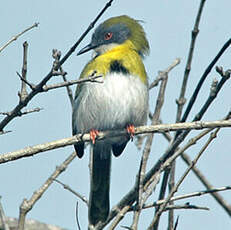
(125,54)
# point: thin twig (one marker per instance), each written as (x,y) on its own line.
(24,112)
(67,187)
(163,73)
(27,205)
(68,83)
(119,217)
(14,38)
(161,195)
(205,182)
(176,223)
(182,197)
(32,86)
(185,206)
(56,55)
(181,101)
(213,95)
(76,215)
(185,196)
(29,151)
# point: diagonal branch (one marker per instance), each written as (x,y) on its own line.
(203,77)
(181,100)
(27,205)
(174,190)
(14,38)
(67,187)
(185,196)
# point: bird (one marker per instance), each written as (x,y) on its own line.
(120,101)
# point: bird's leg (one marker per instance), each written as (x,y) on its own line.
(93,134)
(131,131)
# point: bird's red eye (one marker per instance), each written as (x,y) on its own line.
(108,36)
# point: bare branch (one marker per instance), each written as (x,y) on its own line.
(29,151)
(205,182)
(27,205)
(14,38)
(68,83)
(32,86)
(57,56)
(181,101)
(24,112)
(163,73)
(119,217)
(185,206)
(213,95)
(76,215)
(67,187)
(185,196)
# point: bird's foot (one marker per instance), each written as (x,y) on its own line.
(131,131)
(93,134)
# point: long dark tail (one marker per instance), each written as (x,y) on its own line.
(99,203)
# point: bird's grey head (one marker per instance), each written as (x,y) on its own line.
(106,37)
(115,31)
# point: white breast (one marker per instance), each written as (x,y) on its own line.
(118,101)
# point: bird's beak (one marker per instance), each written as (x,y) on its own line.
(86,48)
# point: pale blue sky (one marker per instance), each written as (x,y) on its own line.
(168,25)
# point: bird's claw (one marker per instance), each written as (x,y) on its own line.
(131,131)
(93,134)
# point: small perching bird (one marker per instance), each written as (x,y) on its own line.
(121,101)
